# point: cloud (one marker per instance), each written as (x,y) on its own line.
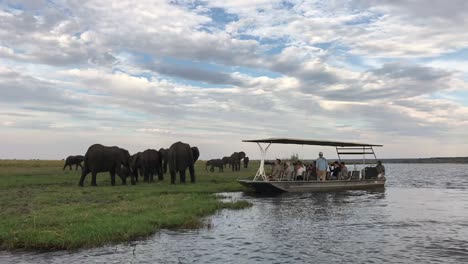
(146,73)
(195,74)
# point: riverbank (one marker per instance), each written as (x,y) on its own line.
(42,207)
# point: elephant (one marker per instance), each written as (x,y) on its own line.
(101,158)
(215,163)
(180,157)
(236,158)
(246,162)
(226,161)
(148,163)
(163,152)
(74,160)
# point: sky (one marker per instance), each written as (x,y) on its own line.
(145,74)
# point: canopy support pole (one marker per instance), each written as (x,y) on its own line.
(261,170)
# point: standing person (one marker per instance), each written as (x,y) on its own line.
(380,169)
(322,165)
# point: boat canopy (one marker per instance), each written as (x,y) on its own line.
(311,142)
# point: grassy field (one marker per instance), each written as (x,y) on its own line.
(42,207)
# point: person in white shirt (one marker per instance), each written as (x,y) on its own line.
(289,171)
(300,169)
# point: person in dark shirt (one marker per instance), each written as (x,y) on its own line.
(335,171)
(380,169)
(313,171)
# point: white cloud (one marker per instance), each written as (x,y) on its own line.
(154,72)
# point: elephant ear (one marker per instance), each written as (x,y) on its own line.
(196,153)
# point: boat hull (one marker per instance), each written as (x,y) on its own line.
(311,186)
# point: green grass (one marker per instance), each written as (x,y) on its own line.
(42,207)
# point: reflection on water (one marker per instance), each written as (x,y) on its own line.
(422,216)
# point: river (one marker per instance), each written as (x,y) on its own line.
(420,217)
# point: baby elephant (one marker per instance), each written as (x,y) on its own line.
(74,160)
(215,163)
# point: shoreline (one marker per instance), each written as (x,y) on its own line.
(42,208)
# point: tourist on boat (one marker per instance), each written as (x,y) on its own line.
(344,171)
(322,165)
(299,171)
(276,170)
(335,170)
(288,171)
(312,171)
(380,169)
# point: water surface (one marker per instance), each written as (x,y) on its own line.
(420,217)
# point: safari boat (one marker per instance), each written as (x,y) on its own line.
(357,180)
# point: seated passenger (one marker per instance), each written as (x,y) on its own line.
(335,171)
(299,172)
(276,170)
(380,170)
(313,171)
(289,171)
(344,171)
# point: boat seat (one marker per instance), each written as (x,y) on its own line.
(355,175)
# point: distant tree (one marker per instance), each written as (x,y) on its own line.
(294,157)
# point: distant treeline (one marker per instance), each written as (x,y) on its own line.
(429,160)
(460,160)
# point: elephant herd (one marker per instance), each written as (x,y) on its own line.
(234,161)
(118,161)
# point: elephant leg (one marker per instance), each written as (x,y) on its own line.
(160,174)
(145,175)
(84,172)
(112,174)
(64,166)
(132,179)
(124,179)
(135,175)
(93,180)
(182,176)
(151,176)
(192,173)
(70,166)
(173,176)
(76,167)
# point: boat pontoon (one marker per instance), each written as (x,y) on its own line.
(261,183)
